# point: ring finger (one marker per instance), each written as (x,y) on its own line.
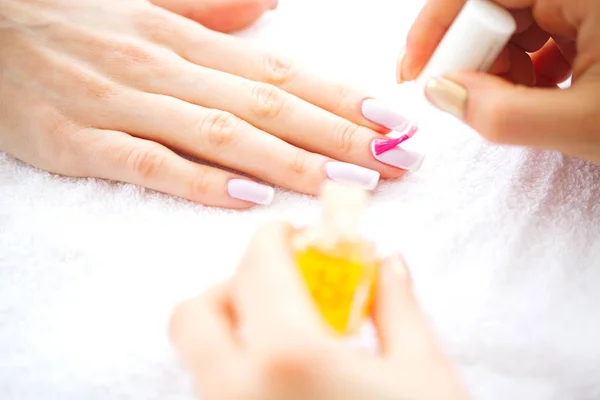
(121,157)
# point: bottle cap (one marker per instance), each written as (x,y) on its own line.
(473,42)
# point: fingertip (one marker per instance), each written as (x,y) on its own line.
(408,67)
(232,16)
(396,266)
(272,241)
(275,229)
(395,280)
(428,30)
(180,318)
(412,55)
(399,66)
(271,4)
(550,65)
(392,296)
(480,100)
(506,113)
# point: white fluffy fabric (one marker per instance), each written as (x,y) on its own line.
(503,244)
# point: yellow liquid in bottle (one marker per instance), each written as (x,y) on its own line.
(341,283)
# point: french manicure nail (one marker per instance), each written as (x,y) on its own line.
(447,96)
(383,114)
(398,157)
(253,192)
(272,4)
(350,174)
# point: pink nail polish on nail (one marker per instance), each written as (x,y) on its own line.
(253,192)
(387,145)
(398,157)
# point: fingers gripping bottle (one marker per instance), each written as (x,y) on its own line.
(472,43)
(338,265)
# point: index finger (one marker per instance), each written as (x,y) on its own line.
(245,59)
(430,27)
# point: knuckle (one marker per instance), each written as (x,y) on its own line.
(268,100)
(145,161)
(346,135)
(301,162)
(200,186)
(67,148)
(341,95)
(278,70)
(101,89)
(132,53)
(150,20)
(220,128)
(59,129)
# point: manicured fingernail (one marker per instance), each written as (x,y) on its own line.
(272,4)
(399,75)
(398,267)
(383,114)
(352,175)
(253,192)
(448,96)
(398,157)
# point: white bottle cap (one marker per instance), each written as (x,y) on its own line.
(473,42)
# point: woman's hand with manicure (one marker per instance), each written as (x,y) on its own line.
(121,89)
(259,336)
(523,104)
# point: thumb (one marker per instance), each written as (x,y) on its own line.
(511,114)
(402,326)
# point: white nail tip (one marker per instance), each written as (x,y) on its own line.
(253,192)
(383,114)
(350,174)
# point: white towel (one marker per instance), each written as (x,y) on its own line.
(503,244)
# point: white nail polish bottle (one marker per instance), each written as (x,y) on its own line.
(473,42)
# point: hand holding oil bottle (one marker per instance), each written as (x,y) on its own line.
(277,329)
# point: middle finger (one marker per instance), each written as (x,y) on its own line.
(285,116)
(218,51)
